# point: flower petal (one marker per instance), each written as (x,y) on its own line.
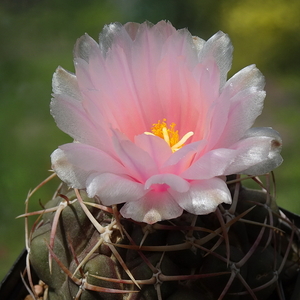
(67,172)
(71,118)
(75,162)
(114,189)
(139,164)
(179,96)
(182,159)
(204,196)
(173,181)
(85,47)
(109,90)
(243,94)
(108,35)
(199,43)
(218,48)
(65,83)
(68,111)
(264,147)
(257,153)
(155,146)
(152,207)
(211,164)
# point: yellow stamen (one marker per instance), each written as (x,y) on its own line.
(166,135)
(170,135)
(182,141)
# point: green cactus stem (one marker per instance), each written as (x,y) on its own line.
(83,250)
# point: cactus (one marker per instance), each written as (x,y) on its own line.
(143,211)
(83,250)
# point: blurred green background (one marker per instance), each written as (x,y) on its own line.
(38,35)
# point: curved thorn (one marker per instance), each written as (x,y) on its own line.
(125,281)
(96,288)
(232,208)
(30,291)
(41,184)
(88,213)
(224,234)
(247,287)
(99,206)
(121,261)
(93,250)
(116,214)
(228,284)
(141,254)
(53,232)
(63,267)
(218,231)
(182,246)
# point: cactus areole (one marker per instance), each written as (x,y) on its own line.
(156,125)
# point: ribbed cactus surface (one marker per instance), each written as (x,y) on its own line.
(83,250)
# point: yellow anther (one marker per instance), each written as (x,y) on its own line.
(170,135)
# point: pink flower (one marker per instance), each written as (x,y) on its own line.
(156,124)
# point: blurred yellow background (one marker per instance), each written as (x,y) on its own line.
(38,35)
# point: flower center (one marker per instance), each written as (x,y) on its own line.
(169,134)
